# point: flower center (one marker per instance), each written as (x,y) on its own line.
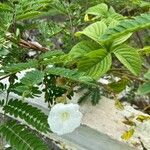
(65,116)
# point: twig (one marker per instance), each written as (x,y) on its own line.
(130,76)
(32,45)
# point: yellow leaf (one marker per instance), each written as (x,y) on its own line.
(128,134)
(61,99)
(119,105)
(142,118)
(86,18)
(129,122)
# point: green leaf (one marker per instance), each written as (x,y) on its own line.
(94,31)
(82,48)
(20,137)
(129,57)
(144,89)
(95,63)
(33,77)
(119,86)
(98,10)
(121,39)
(127,26)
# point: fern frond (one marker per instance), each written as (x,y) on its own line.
(29,15)
(71,74)
(127,26)
(32,115)
(33,77)
(20,66)
(21,138)
(92,94)
(84,97)
(50,54)
(5,8)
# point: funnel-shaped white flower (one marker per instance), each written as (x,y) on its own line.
(64,118)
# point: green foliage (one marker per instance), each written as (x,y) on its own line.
(94,31)
(20,137)
(30,114)
(28,78)
(102,11)
(67,53)
(19,67)
(129,57)
(98,10)
(92,94)
(82,48)
(127,26)
(71,74)
(118,86)
(95,63)
(52,90)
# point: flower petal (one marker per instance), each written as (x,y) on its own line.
(61,125)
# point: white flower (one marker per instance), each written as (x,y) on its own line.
(64,118)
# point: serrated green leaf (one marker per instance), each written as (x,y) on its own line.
(98,10)
(121,39)
(129,57)
(82,48)
(127,26)
(94,31)
(95,63)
